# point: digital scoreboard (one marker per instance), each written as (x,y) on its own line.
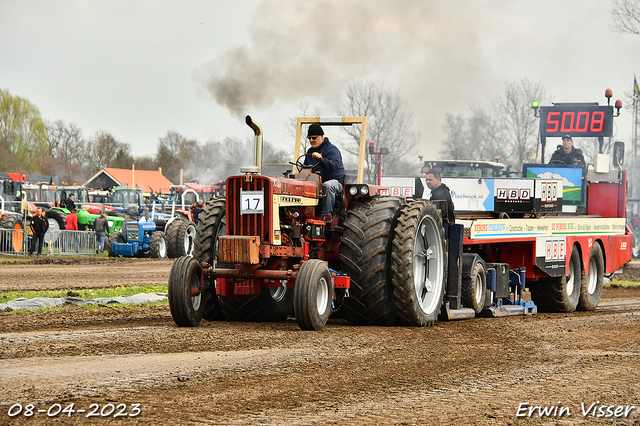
(576,120)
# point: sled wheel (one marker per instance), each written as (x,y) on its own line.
(474,288)
(591,288)
(185,299)
(312,295)
(635,250)
(560,294)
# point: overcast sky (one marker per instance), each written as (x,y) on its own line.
(137,69)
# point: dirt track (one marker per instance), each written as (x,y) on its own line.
(466,372)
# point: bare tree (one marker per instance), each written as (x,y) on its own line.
(626,16)
(104,150)
(176,152)
(521,126)
(389,123)
(456,145)
(64,141)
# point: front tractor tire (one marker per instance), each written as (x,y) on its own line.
(635,248)
(185,299)
(158,245)
(560,294)
(419,264)
(181,235)
(313,295)
(114,237)
(365,255)
(211,225)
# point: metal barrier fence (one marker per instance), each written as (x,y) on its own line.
(56,242)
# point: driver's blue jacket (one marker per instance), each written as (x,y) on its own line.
(331,166)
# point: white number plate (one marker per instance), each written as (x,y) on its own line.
(251,202)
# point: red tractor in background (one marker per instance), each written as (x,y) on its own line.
(263,253)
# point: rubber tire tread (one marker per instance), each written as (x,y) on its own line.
(176,234)
(59,216)
(210,220)
(365,256)
(550,295)
(305,294)
(179,291)
(113,237)
(588,302)
(154,245)
(405,297)
(468,291)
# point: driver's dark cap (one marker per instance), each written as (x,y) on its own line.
(567,137)
(315,130)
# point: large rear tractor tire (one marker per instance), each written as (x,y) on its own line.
(114,237)
(474,289)
(181,235)
(365,256)
(57,219)
(312,295)
(185,300)
(210,226)
(419,264)
(158,245)
(591,288)
(12,242)
(560,294)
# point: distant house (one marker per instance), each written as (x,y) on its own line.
(146,180)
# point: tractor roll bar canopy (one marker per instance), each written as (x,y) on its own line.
(336,121)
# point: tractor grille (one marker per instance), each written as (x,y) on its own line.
(254,224)
(133,232)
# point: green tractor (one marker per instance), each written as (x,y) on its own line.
(57,215)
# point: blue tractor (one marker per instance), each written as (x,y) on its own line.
(140,239)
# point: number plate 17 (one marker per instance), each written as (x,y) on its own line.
(251,202)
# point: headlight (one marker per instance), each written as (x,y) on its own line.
(353,190)
(364,190)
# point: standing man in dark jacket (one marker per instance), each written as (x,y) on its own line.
(39,226)
(101,227)
(440,191)
(567,153)
(330,167)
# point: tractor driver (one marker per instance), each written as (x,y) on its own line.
(330,167)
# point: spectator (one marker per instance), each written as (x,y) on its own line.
(196,209)
(72,220)
(101,227)
(39,226)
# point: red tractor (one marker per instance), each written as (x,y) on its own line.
(263,253)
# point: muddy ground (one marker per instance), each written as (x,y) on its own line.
(479,371)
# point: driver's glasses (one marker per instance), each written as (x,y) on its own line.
(312,138)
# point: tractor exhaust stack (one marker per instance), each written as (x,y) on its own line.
(258,142)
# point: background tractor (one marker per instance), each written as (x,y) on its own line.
(138,239)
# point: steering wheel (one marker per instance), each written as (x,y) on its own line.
(557,162)
(300,164)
